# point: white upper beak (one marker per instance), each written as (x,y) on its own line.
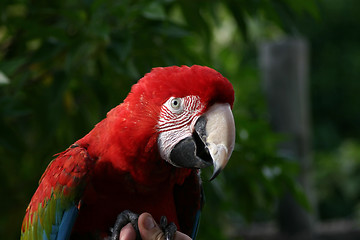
(220,140)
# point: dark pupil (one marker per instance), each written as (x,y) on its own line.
(175,103)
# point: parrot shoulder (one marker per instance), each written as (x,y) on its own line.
(54,207)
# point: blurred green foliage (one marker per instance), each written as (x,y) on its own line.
(335,72)
(64,64)
(335,87)
(337,181)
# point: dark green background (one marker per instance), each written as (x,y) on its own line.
(69,62)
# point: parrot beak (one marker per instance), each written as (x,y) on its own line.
(211,143)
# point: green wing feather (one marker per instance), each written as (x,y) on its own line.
(53,208)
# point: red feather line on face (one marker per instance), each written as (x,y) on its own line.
(170,120)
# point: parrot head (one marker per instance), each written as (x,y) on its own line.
(194,123)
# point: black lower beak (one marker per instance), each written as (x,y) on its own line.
(189,153)
(192,152)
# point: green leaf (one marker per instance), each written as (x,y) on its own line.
(154,11)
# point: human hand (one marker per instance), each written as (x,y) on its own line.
(149,230)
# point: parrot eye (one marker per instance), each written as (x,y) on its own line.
(176,103)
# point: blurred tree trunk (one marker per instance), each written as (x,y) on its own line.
(284,66)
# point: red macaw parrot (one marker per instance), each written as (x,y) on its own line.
(144,156)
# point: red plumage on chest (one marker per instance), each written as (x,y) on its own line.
(129,173)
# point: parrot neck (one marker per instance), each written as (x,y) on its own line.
(123,143)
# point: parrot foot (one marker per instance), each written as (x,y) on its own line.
(168,229)
(124,218)
(127,216)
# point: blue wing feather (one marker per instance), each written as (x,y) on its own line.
(67,223)
(62,229)
(53,209)
(196,224)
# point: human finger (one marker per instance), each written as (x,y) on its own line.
(149,230)
(127,233)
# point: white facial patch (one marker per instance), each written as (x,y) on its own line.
(176,122)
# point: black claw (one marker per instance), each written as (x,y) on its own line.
(168,229)
(129,217)
(163,222)
(122,219)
